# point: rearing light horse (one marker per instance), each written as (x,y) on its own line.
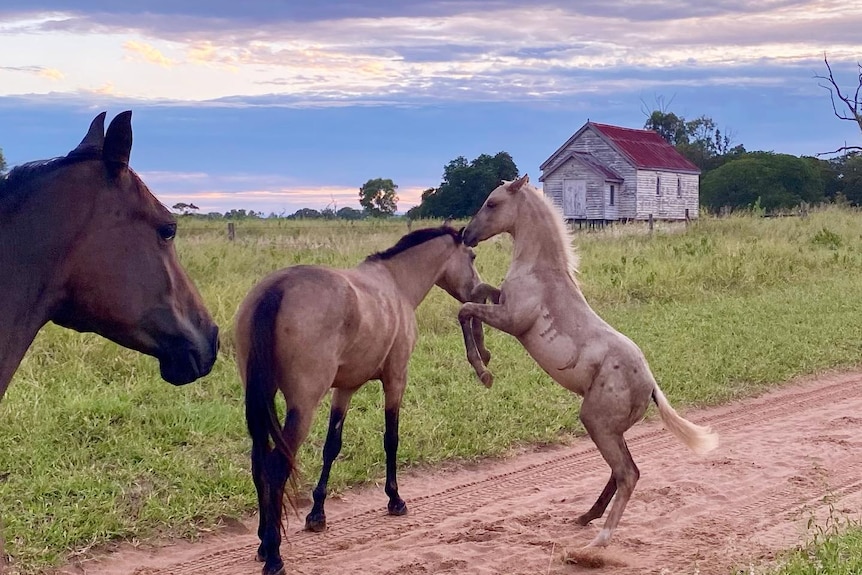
(305,329)
(541,304)
(83,243)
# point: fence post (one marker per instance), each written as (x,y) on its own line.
(650,222)
(687,218)
(231,231)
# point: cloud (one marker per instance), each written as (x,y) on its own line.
(335,51)
(148,52)
(50,73)
(106,89)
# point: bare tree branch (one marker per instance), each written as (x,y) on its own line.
(841,149)
(853,104)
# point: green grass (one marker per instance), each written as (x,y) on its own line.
(834,547)
(94,447)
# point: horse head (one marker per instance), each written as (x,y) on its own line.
(499,212)
(120,276)
(459,276)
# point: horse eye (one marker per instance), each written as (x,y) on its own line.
(168,231)
(491,204)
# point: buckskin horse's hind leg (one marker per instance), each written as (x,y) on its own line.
(260,453)
(276,474)
(394,383)
(396,506)
(316,519)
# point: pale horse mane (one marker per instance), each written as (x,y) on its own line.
(555,218)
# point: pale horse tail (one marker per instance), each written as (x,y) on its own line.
(698,438)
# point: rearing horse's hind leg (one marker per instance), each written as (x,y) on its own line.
(598,508)
(624,473)
(316,519)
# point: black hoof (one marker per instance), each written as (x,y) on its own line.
(315,524)
(397,507)
(584,520)
(276,569)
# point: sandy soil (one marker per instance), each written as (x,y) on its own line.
(785,457)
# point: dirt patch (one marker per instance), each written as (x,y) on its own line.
(784,458)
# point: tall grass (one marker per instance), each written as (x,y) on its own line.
(94,447)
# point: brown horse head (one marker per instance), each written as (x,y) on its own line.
(119,275)
(459,276)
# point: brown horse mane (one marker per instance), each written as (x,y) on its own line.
(12,183)
(413,239)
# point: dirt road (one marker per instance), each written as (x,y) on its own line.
(784,457)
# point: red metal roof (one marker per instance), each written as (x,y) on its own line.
(645,148)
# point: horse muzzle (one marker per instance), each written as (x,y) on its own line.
(183,361)
(470,237)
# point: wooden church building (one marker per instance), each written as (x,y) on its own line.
(607,173)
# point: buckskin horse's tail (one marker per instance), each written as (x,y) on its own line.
(698,438)
(260,389)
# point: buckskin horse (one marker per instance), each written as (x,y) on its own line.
(541,304)
(304,330)
(87,246)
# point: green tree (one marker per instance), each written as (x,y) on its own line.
(305,214)
(699,140)
(850,178)
(2,162)
(348,213)
(185,208)
(377,197)
(465,186)
(669,126)
(241,214)
(770,180)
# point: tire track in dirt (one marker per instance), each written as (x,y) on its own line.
(680,499)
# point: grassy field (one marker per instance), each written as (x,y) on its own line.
(95,447)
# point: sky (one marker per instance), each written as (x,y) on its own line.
(279,105)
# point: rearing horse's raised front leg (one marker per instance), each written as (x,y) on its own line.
(469,331)
(316,519)
(481,294)
(474,337)
(512,321)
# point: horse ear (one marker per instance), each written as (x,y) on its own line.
(517,184)
(118,140)
(94,140)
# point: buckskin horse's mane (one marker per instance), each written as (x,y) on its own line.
(413,239)
(12,184)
